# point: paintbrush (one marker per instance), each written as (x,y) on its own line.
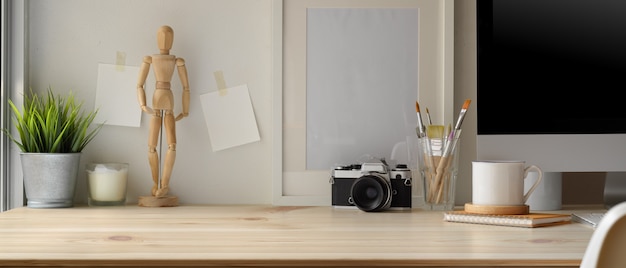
(430,121)
(447,133)
(450,144)
(453,134)
(421,130)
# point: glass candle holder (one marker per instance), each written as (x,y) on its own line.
(106,183)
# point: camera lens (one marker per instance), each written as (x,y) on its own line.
(371,193)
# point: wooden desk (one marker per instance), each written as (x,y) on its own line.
(274,236)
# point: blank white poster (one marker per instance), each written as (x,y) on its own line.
(116,95)
(229,117)
(361,83)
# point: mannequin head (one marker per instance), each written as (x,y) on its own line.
(165,39)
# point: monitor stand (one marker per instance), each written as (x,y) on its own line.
(548,194)
(614,188)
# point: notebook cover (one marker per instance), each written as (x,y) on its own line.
(530,220)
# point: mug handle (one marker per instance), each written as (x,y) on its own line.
(528,169)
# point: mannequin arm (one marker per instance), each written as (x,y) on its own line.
(143,75)
(182,73)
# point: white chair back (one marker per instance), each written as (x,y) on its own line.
(607,247)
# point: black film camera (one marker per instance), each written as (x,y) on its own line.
(371,187)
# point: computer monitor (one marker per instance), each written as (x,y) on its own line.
(551,75)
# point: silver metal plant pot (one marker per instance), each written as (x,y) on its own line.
(50,179)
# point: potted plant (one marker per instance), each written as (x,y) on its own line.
(53,131)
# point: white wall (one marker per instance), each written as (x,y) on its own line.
(69,38)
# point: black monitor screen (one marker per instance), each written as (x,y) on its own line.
(551,67)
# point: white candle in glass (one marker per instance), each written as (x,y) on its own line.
(107,182)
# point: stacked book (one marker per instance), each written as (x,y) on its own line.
(529,220)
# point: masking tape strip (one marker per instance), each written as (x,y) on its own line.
(120,61)
(221,84)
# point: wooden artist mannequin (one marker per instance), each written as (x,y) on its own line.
(162,110)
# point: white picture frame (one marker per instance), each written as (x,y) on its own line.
(293,184)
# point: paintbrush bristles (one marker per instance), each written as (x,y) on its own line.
(417,107)
(435,131)
(466,104)
(430,121)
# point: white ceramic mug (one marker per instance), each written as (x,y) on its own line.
(501,183)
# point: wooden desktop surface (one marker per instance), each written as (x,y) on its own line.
(274,236)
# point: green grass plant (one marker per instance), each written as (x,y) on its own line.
(49,123)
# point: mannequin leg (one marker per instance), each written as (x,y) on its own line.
(153,157)
(170,156)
